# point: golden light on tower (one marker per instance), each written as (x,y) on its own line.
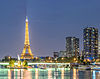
(26,53)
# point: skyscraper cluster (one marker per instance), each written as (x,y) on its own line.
(91,45)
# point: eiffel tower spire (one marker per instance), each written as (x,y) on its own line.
(26,53)
(26,33)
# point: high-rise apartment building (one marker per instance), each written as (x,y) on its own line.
(99,45)
(90,42)
(72,46)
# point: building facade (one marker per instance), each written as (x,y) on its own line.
(99,46)
(62,54)
(72,46)
(56,54)
(90,42)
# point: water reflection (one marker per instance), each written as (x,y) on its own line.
(97,75)
(18,74)
(94,75)
(36,74)
(48,74)
(27,74)
(62,73)
(75,74)
(9,74)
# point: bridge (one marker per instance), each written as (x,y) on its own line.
(30,63)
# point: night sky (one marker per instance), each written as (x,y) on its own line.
(50,22)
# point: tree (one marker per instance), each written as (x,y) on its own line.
(25,64)
(11,63)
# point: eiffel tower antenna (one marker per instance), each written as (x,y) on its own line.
(25,7)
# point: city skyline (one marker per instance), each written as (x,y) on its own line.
(49,25)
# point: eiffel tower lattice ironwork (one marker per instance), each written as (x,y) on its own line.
(27,53)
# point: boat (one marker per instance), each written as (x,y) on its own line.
(83,67)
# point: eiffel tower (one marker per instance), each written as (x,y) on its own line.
(27,53)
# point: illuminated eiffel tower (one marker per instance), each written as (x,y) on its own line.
(26,53)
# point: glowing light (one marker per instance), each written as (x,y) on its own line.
(26,19)
(49,58)
(36,57)
(62,58)
(74,59)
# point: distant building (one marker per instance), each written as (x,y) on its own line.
(83,53)
(72,46)
(55,54)
(8,58)
(90,42)
(99,45)
(62,54)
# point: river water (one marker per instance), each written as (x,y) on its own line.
(48,74)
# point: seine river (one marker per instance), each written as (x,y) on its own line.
(48,74)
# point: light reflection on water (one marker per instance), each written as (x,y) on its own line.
(48,74)
(36,74)
(62,74)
